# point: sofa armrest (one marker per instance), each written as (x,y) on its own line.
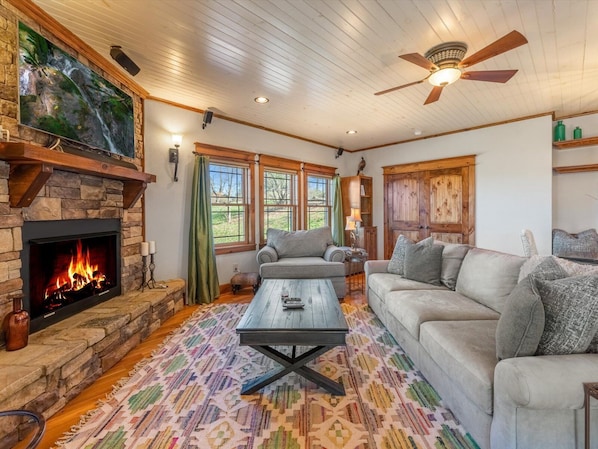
(545,382)
(266,254)
(334,254)
(375,266)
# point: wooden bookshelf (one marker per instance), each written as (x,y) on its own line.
(31,166)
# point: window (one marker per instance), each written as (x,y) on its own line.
(232,198)
(319,201)
(228,186)
(280,200)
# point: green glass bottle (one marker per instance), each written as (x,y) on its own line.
(577,133)
(559,131)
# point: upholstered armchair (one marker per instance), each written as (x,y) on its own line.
(303,255)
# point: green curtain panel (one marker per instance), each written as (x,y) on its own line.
(338,228)
(203,275)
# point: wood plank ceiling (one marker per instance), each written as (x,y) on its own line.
(320,61)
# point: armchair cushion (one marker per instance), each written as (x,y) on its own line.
(311,243)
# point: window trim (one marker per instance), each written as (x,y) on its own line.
(223,155)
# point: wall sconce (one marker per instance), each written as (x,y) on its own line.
(173,153)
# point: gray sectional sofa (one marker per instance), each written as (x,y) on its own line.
(307,254)
(449,329)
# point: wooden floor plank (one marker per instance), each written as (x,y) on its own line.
(88,399)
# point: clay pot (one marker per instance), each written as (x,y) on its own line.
(16,326)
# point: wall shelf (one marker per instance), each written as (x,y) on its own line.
(576,168)
(576,143)
(31,166)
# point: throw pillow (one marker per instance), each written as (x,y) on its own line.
(452,258)
(397,259)
(571,311)
(423,263)
(583,245)
(521,322)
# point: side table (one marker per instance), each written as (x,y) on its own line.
(21,428)
(355,258)
(590,391)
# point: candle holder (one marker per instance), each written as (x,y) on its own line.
(151,283)
(144,281)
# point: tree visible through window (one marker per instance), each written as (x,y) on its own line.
(319,201)
(228,185)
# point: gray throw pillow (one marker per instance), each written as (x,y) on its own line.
(423,263)
(397,260)
(521,322)
(571,311)
(583,245)
(452,258)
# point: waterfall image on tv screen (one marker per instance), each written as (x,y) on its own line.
(60,95)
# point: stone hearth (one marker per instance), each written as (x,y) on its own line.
(63,359)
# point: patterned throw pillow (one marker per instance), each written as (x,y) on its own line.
(522,320)
(397,260)
(571,311)
(583,245)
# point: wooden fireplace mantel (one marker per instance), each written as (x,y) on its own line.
(31,166)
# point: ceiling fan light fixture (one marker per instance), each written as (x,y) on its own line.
(445,76)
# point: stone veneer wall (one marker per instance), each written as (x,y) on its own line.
(65,195)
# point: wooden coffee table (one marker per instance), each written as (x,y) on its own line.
(320,325)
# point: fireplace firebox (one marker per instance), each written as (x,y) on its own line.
(68,266)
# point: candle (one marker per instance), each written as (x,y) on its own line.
(144,248)
(152,247)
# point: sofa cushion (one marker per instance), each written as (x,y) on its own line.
(397,260)
(423,263)
(488,277)
(571,267)
(571,311)
(464,350)
(300,243)
(521,323)
(302,268)
(452,258)
(383,283)
(414,307)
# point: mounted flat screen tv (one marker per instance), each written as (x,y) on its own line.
(63,97)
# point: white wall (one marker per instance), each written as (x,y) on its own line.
(167,211)
(576,194)
(513,179)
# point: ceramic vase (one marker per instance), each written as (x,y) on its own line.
(16,326)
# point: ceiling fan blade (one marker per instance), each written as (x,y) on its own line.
(508,42)
(392,89)
(417,59)
(494,76)
(434,95)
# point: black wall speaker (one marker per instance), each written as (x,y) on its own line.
(207,118)
(127,63)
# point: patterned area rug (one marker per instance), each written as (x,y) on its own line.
(188,396)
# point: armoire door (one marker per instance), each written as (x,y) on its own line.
(432,198)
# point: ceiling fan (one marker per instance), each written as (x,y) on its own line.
(445,63)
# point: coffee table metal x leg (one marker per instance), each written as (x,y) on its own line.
(291,364)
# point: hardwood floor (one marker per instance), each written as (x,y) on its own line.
(70,415)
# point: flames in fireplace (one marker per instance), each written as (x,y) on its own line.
(83,278)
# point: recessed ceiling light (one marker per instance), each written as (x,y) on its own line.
(351,131)
(261,100)
(417,132)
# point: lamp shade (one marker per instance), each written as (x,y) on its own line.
(356,214)
(177,139)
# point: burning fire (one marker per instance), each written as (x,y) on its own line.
(80,274)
